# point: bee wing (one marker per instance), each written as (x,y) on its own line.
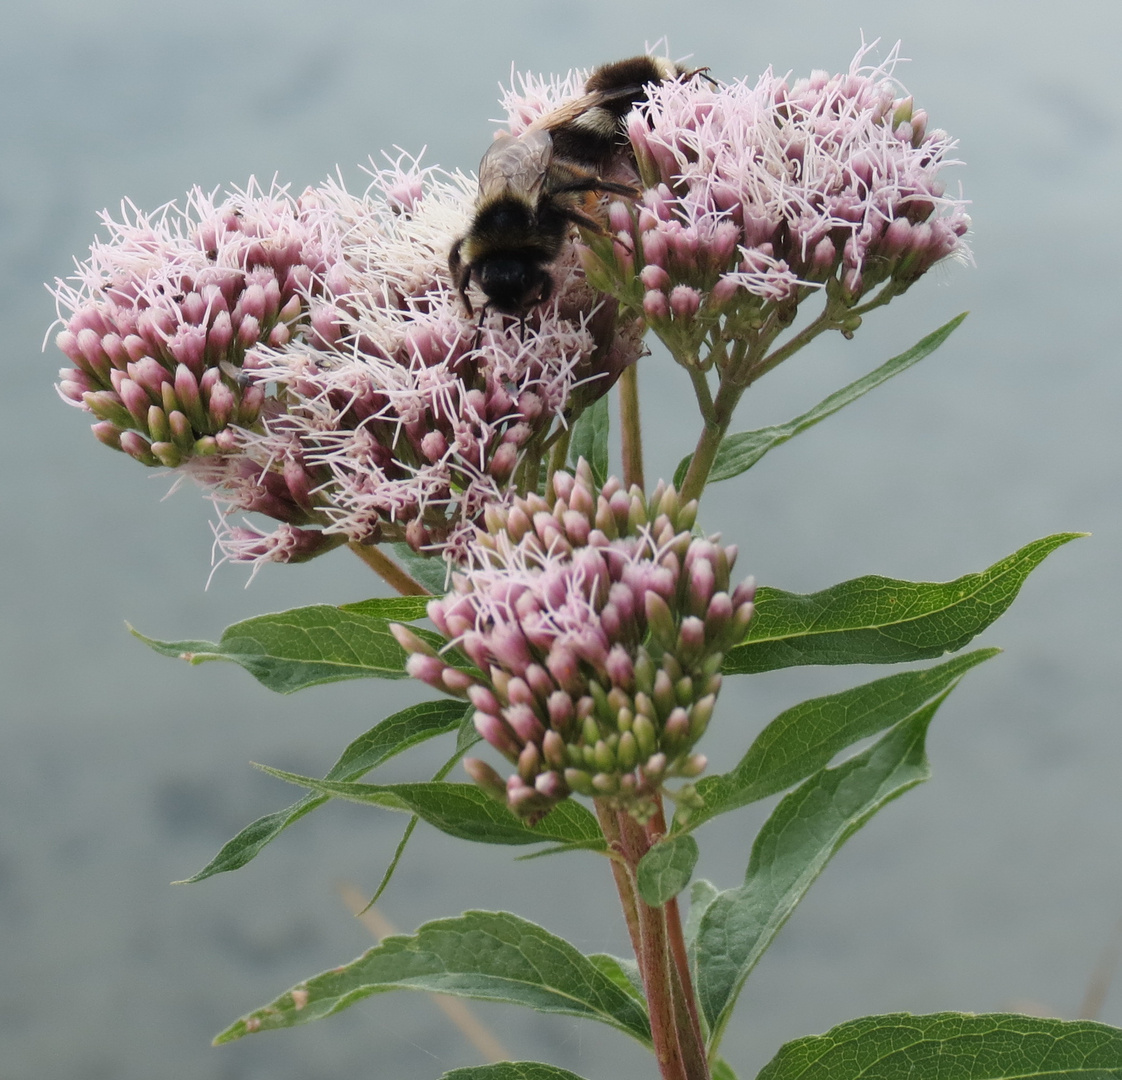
(567,112)
(516,163)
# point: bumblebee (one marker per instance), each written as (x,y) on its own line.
(532,186)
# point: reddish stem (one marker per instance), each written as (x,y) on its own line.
(654,960)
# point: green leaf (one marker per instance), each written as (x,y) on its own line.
(385,740)
(465,811)
(804,831)
(702,894)
(803,739)
(489,955)
(428,570)
(624,973)
(511,1070)
(666,869)
(307,646)
(738,453)
(466,739)
(590,439)
(953,1046)
(393,608)
(878,620)
(720,1070)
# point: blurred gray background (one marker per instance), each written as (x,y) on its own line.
(996,885)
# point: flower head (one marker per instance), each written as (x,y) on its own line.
(307,359)
(598,625)
(760,196)
(159,320)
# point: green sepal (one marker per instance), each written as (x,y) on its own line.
(487,955)
(879,620)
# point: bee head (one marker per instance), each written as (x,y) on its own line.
(514,283)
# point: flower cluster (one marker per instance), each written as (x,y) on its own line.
(307,359)
(406,417)
(757,196)
(161,317)
(598,626)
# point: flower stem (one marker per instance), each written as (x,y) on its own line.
(388,570)
(558,452)
(685,1001)
(628,899)
(631,435)
(675,1031)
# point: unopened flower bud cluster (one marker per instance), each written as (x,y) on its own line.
(600,625)
(758,196)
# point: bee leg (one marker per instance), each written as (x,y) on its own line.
(585,222)
(595,183)
(479,326)
(703,72)
(461,274)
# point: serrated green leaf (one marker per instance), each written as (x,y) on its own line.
(953,1046)
(431,571)
(802,834)
(465,811)
(511,1070)
(291,650)
(385,740)
(590,439)
(800,740)
(878,620)
(738,453)
(488,955)
(666,869)
(393,608)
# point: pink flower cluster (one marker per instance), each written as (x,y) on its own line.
(758,196)
(307,359)
(159,320)
(600,625)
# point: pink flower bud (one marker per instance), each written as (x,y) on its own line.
(221,406)
(495,731)
(684,301)
(107,433)
(655,305)
(486,778)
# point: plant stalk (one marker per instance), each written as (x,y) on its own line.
(678,1047)
(631,434)
(388,570)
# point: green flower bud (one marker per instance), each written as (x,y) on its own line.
(627,752)
(645,736)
